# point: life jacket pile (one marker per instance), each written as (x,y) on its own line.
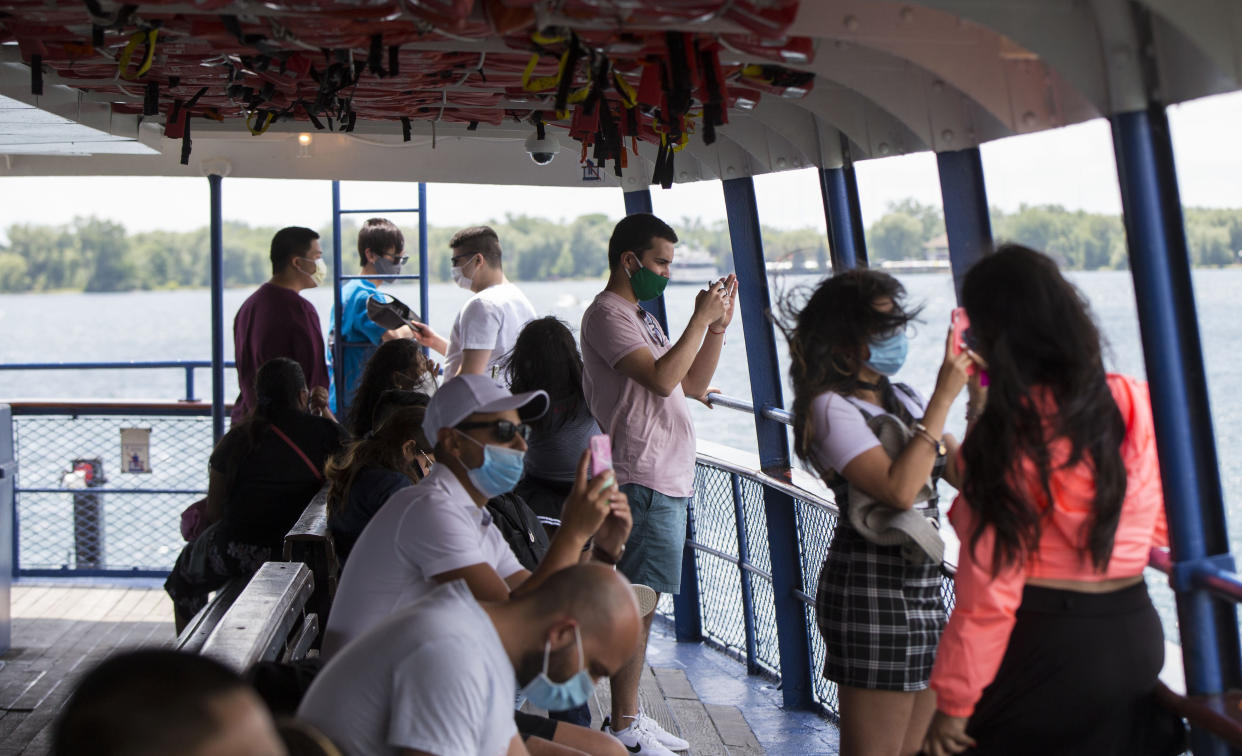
(642,71)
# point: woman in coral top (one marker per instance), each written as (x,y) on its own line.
(1054,646)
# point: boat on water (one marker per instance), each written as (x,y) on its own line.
(525,92)
(694,267)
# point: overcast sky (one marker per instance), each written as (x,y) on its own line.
(1072,166)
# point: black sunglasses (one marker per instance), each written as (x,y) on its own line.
(503,429)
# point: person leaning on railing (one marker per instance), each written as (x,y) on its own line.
(262,474)
(1054,646)
(879,609)
(393,455)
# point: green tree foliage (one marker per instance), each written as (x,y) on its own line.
(90,254)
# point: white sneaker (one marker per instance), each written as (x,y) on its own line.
(666,738)
(639,740)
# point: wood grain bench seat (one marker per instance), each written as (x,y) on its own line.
(268,620)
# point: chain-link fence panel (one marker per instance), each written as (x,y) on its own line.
(766,646)
(79,506)
(715,527)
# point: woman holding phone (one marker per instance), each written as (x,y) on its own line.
(1054,646)
(880,615)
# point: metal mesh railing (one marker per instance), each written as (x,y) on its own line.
(121,521)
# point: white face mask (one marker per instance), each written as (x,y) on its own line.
(320,273)
(460,278)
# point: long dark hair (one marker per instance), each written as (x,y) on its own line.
(379,448)
(1046,368)
(278,390)
(828,332)
(399,361)
(545,357)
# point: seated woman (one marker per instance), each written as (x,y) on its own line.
(392,456)
(546,358)
(262,474)
(1054,646)
(397,364)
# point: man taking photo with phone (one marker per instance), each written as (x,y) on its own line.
(636,381)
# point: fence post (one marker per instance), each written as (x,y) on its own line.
(743,559)
(8,517)
(965,210)
(765,389)
(1160,265)
(88,513)
(189,384)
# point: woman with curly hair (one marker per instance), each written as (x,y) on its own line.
(396,364)
(880,614)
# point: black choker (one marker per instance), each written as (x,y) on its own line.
(868,386)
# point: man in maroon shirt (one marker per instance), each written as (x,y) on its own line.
(276,321)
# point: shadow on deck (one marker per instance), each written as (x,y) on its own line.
(62,628)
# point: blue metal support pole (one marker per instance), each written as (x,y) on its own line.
(215,181)
(1160,265)
(338,343)
(189,385)
(773,440)
(687,618)
(423,272)
(743,559)
(965,210)
(843,246)
(8,523)
(639,201)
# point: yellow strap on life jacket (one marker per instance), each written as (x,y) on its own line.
(264,124)
(629,97)
(137,38)
(543,82)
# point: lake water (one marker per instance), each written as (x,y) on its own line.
(176,325)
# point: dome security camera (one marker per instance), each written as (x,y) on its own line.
(542,149)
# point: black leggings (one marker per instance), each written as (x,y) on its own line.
(1077,678)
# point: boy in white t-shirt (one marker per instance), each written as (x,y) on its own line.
(488,324)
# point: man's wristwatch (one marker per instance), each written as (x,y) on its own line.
(603,556)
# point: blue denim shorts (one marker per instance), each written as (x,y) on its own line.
(653,553)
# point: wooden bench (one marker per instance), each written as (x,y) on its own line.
(310,542)
(195,634)
(268,621)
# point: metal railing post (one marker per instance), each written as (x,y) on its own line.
(1160,265)
(189,384)
(639,201)
(965,210)
(215,181)
(743,559)
(424,302)
(772,438)
(8,525)
(338,342)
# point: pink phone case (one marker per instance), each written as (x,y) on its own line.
(601,454)
(957,342)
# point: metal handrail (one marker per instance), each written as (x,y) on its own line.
(187,365)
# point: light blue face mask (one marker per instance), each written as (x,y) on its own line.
(501,469)
(889,354)
(562,696)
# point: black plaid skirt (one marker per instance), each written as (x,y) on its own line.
(880,616)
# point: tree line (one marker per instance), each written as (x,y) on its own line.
(92,254)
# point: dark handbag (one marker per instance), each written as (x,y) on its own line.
(520,527)
(194,519)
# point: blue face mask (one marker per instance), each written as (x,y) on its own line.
(562,696)
(889,354)
(501,469)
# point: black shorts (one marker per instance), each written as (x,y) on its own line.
(534,726)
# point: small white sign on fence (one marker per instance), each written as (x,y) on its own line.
(136,450)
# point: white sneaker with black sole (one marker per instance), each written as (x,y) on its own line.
(639,740)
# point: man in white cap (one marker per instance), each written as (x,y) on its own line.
(439,530)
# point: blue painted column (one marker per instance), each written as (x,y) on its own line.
(1160,265)
(8,521)
(773,440)
(215,182)
(965,210)
(639,201)
(424,303)
(338,344)
(844,244)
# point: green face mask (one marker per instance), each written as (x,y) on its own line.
(646,284)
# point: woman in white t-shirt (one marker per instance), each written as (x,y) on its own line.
(880,615)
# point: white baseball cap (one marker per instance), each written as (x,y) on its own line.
(465,395)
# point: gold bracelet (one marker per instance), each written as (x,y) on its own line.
(921,431)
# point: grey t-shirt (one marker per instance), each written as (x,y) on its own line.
(433,677)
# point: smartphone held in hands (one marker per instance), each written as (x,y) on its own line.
(601,454)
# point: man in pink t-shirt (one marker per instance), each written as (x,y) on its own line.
(636,382)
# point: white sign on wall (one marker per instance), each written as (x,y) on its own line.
(136,450)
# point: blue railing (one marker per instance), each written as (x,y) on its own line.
(189,366)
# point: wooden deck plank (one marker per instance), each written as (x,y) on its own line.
(733,729)
(697,727)
(674,683)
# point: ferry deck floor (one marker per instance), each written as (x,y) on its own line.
(62,627)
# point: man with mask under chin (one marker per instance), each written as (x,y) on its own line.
(276,321)
(437,678)
(487,326)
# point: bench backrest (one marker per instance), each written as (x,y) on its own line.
(310,541)
(267,617)
(195,634)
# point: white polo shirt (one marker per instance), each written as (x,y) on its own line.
(421,531)
(433,677)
